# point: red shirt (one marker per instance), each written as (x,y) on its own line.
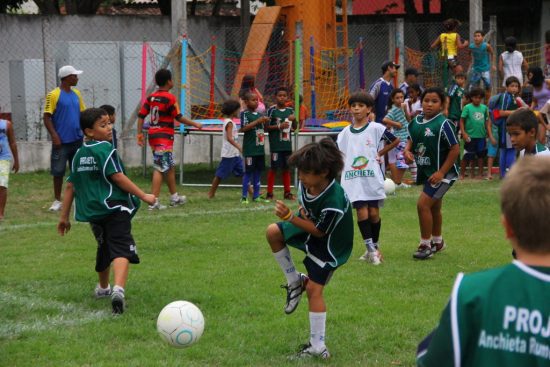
(163,108)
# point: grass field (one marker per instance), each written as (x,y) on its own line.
(214,254)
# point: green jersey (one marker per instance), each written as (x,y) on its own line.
(332,214)
(540,149)
(456,93)
(254,139)
(474,120)
(95,195)
(499,317)
(431,143)
(280,140)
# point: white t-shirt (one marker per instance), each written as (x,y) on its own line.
(228,150)
(362,177)
(415,108)
(511,62)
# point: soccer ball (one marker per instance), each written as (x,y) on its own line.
(180,324)
(389,186)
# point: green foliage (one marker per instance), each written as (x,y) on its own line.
(214,254)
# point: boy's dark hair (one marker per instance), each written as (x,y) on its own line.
(525,203)
(162,76)
(460,75)
(411,71)
(512,79)
(477,92)
(89,116)
(281,89)
(318,157)
(440,92)
(416,87)
(510,43)
(480,32)
(537,78)
(524,118)
(450,24)
(247,95)
(230,106)
(361,97)
(393,93)
(108,108)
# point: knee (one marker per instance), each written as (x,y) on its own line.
(273,233)
(314,290)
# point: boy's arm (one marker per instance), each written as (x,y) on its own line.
(229,135)
(140,140)
(122,181)
(500,67)
(454,151)
(284,212)
(435,43)
(13,147)
(64,224)
(409,156)
(463,130)
(186,121)
(489,127)
(391,142)
(56,141)
(252,125)
(491,56)
(460,43)
(447,104)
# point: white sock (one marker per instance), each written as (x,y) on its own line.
(104,289)
(287,265)
(174,196)
(427,242)
(118,288)
(437,239)
(317,321)
(370,245)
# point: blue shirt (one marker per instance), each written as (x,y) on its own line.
(66,117)
(5,151)
(481,57)
(380,91)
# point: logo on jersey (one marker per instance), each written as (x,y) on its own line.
(420,159)
(478,116)
(359,164)
(428,132)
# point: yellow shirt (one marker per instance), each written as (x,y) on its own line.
(448,44)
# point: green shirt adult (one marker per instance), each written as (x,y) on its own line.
(475,118)
(431,142)
(95,195)
(279,140)
(498,317)
(254,139)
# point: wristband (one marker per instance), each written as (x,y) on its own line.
(288,216)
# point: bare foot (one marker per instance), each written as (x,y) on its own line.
(211,195)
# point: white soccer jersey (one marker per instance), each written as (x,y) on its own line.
(228,150)
(363,178)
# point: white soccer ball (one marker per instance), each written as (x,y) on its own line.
(180,324)
(389,186)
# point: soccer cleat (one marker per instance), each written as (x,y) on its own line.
(260,199)
(244,200)
(289,196)
(374,257)
(56,206)
(438,247)
(294,293)
(269,196)
(403,185)
(308,351)
(179,201)
(423,252)
(157,206)
(102,293)
(117,302)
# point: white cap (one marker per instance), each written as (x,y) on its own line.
(67,70)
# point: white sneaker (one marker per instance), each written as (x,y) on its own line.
(102,293)
(56,206)
(308,351)
(375,257)
(294,293)
(365,256)
(179,201)
(403,185)
(157,206)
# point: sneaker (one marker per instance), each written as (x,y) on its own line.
(438,247)
(423,252)
(260,199)
(56,206)
(374,257)
(179,201)
(157,206)
(294,293)
(102,293)
(403,185)
(307,351)
(244,200)
(117,302)
(289,196)
(269,196)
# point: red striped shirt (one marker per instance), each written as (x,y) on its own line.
(163,108)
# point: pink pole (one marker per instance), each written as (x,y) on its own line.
(143,71)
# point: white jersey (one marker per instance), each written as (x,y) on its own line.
(362,177)
(511,62)
(228,150)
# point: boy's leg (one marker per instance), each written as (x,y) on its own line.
(215,183)
(490,161)
(480,168)
(170,176)
(103,277)
(3,200)
(256,183)
(365,227)
(270,182)
(463,163)
(376,223)
(156,183)
(317,315)
(286,184)
(246,182)
(121,266)
(425,220)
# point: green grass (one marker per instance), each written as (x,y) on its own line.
(214,254)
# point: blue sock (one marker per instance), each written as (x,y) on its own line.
(246,181)
(256,183)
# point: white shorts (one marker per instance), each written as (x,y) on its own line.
(5,167)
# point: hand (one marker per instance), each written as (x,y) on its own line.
(56,141)
(436,178)
(199,126)
(292,118)
(409,157)
(15,168)
(493,141)
(466,138)
(379,159)
(149,199)
(284,125)
(140,140)
(281,210)
(64,226)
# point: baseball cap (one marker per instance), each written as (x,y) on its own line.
(67,70)
(411,71)
(387,64)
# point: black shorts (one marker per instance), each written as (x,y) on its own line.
(280,160)
(114,239)
(254,163)
(475,148)
(367,203)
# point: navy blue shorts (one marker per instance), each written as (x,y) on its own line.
(369,203)
(61,156)
(255,163)
(280,160)
(230,166)
(475,148)
(437,191)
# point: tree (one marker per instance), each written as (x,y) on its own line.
(6,5)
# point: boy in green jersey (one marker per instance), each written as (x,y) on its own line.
(107,199)
(522,127)
(501,317)
(455,100)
